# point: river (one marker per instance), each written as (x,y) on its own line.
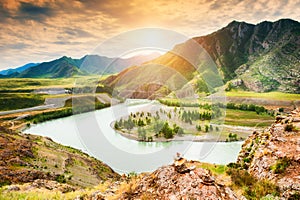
(91,132)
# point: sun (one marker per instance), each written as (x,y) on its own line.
(144,52)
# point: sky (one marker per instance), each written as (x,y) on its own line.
(43,30)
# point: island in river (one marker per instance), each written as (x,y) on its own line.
(191,123)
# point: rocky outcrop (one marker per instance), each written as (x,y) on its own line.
(25,158)
(264,56)
(181,180)
(274,154)
(14,164)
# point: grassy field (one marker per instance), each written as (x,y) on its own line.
(268,95)
(19,84)
(237,116)
(44,194)
(32,84)
(247,122)
(18,93)
(12,101)
(247,118)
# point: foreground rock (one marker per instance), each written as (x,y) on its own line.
(42,184)
(274,154)
(181,180)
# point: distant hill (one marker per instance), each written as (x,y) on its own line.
(95,64)
(18,69)
(264,56)
(62,67)
(68,67)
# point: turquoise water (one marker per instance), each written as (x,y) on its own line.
(91,132)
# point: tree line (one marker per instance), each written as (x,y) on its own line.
(245,107)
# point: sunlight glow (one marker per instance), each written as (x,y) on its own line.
(143,52)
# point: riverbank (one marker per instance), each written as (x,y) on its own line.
(17,121)
(197,138)
(20,120)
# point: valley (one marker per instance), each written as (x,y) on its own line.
(33,92)
(240,120)
(216,116)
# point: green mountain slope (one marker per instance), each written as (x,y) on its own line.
(264,56)
(62,67)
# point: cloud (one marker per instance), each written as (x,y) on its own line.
(66,43)
(77,32)
(45,29)
(4,14)
(17,46)
(29,11)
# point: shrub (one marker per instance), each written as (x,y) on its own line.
(60,178)
(141,134)
(234,165)
(116,126)
(206,128)
(289,127)
(4,182)
(167,131)
(246,160)
(232,137)
(180,132)
(252,187)
(132,174)
(261,189)
(281,165)
(241,177)
(295,196)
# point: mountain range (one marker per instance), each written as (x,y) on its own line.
(68,67)
(18,69)
(262,57)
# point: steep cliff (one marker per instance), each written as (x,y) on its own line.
(274,154)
